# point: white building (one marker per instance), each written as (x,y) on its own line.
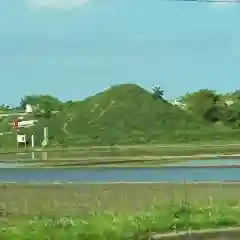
(229,102)
(177,103)
(29,108)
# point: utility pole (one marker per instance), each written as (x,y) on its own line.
(45,134)
(33,146)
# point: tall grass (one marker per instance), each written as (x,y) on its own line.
(104,225)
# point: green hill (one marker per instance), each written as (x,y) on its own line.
(128,114)
(123,114)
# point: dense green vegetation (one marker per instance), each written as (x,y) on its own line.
(215,108)
(128,114)
(111,226)
(115,211)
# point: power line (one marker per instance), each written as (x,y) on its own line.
(204,1)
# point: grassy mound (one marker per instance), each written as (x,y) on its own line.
(124,114)
(128,114)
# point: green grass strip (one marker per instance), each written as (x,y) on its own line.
(115,226)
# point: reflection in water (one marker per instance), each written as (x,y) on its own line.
(11,165)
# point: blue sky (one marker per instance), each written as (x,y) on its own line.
(76,48)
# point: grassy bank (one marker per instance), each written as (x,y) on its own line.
(134,149)
(115,211)
(121,162)
(141,155)
(131,162)
(74,199)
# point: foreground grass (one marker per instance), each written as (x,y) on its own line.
(114,211)
(116,226)
(77,199)
(111,226)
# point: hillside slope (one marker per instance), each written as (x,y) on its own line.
(125,114)
(128,114)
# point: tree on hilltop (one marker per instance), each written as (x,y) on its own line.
(158,93)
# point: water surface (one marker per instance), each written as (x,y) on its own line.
(12,173)
(120,175)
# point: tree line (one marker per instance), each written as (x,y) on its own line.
(206,104)
(209,105)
